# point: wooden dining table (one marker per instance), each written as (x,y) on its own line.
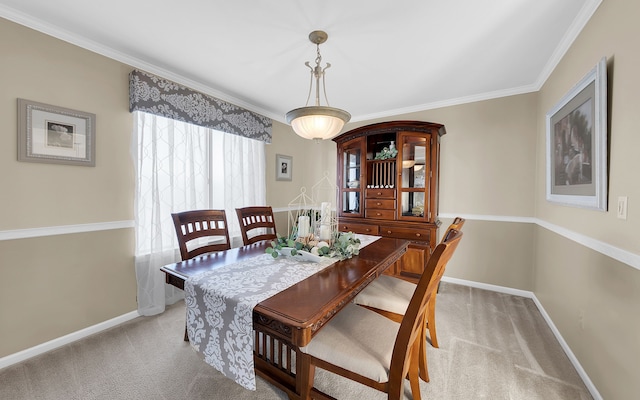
(289,319)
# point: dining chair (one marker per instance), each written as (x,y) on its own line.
(200,232)
(390,297)
(371,349)
(256,224)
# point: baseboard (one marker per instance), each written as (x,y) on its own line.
(524,293)
(63,340)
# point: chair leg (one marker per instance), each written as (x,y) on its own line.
(186,335)
(431,321)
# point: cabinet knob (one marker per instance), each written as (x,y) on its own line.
(367,230)
(388,232)
(378,203)
(418,235)
(379,193)
(378,214)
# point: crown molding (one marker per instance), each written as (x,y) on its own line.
(98,48)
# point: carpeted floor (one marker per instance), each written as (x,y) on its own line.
(492,346)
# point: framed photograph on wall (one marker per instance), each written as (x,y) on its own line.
(284,167)
(577,144)
(57,135)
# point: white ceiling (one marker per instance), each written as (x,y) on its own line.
(388,57)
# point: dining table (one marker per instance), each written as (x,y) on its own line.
(289,318)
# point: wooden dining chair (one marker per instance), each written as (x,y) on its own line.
(201,231)
(368,348)
(390,297)
(256,224)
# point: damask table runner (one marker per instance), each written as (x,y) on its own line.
(220,307)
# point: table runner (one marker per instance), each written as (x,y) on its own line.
(220,307)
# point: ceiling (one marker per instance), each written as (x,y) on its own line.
(387,57)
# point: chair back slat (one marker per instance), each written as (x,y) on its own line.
(256,223)
(200,232)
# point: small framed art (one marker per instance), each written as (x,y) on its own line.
(57,135)
(284,167)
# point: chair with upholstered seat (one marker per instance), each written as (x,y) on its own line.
(390,296)
(200,232)
(368,348)
(256,224)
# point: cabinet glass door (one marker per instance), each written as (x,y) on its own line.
(414,179)
(352,180)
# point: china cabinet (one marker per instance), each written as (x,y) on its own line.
(388,186)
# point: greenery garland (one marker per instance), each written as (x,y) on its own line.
(344,245)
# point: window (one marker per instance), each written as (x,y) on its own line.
(180,166)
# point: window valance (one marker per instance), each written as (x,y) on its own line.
(159,96)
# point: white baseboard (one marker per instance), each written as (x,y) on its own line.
(524,293)
(61,341)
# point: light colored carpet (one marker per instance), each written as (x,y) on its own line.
(492,346)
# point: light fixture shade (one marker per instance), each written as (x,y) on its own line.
(317,122)
(408,163)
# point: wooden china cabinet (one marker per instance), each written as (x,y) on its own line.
(388,194)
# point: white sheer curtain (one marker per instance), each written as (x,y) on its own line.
(180,166)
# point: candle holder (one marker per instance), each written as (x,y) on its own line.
(313,219)
(313,226)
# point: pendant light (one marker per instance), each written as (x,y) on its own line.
(317,122)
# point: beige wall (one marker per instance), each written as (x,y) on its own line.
(311,161)
(39,68)
(613,33)
(487,169)
(55,285)
(573,283)
(571,280)
(487,161)
(492,168)
(487,156)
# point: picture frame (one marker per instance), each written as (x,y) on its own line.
(576,144)
(55,135)
(284,167)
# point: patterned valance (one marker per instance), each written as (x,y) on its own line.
(155,95)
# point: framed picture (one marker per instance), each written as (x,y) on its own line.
(577,144)
(57,135)
(284,167)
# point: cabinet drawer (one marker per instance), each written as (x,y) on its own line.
(380,204)
(358,228)
(380,193)
(405,233)
(380,214)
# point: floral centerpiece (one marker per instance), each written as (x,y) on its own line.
(343,245)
